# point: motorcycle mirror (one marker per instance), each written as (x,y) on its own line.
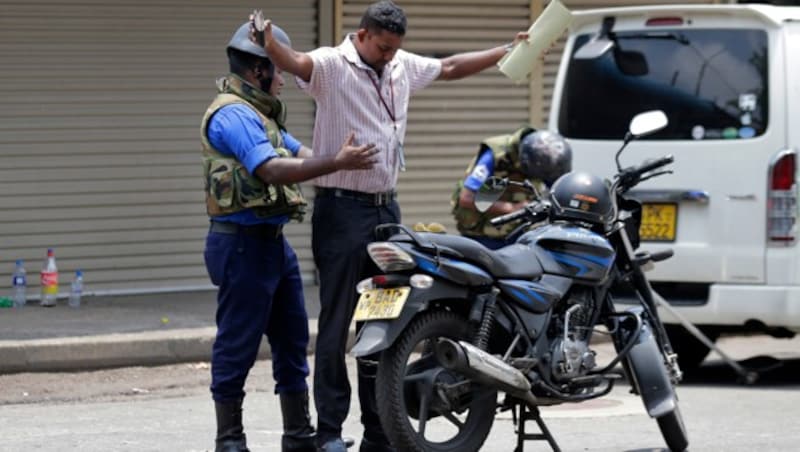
(489,192)
(647,123)
(642,124)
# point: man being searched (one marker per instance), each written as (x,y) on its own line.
(538,156)
(251,167)
(364,84)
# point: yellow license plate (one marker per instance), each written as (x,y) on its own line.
(658,222)
(381,303)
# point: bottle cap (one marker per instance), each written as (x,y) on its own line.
(19,262)
(78,273)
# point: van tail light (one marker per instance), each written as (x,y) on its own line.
(782,199)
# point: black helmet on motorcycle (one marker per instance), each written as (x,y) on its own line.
(581,197)
(545,156)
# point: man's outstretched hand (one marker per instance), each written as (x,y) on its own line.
(352,157)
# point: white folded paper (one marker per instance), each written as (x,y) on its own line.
(524,57)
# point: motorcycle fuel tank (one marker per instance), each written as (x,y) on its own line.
(572,251)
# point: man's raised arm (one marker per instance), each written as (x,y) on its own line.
(287,59)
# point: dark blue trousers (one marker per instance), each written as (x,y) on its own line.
(260,293)
(342,228)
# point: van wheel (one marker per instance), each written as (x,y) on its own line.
(691,352)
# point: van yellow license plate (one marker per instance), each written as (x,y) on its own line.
(659,222)
(378,304)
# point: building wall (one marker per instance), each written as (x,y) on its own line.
(99,134)
(102,100)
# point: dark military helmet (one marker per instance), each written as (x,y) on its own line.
(582,197)
(241,40)
(544,155)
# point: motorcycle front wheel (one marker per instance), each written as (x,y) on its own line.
(424,407)
(673,430)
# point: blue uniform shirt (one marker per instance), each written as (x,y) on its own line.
(236,130)
(484,168)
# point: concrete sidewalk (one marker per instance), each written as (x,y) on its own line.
(117,331)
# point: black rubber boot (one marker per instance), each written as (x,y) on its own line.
(230,433)
(298,433)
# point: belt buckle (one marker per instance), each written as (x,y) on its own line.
(379,198)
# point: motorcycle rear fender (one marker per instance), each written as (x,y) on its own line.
(649,373)
(378,335)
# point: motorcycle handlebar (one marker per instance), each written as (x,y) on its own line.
(650,165)
(509,217)
(535,211)
(629,177)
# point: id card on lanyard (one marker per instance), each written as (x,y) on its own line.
(397,142)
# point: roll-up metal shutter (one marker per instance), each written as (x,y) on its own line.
(101,104)
(553,58)
(448,119)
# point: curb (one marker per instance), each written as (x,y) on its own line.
(148,348)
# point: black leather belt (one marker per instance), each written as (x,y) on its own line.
(373,199)
(267,231)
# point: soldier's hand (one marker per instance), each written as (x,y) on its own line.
(267,30)
(352,157)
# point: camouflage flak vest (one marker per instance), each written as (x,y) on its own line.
(505,150)
(230,188)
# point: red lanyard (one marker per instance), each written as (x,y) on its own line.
(390,111)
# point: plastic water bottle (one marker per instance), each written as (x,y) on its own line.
(49,280)
(20,284)
(76,290)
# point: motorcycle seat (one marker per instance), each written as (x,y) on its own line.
(515,261)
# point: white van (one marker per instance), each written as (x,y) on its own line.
(728,78)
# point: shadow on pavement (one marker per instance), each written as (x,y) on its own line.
(771,372)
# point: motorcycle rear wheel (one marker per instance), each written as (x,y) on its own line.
(399,389)
(673,430)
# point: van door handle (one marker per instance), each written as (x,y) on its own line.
(654,195)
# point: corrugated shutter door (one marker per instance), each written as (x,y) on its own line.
(99,134)
(553,58)
(449,119)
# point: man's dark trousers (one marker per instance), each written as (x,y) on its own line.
(260,293)
(342,228)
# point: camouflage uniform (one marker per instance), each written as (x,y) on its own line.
(505,150)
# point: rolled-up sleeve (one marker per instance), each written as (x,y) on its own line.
(236,130)
(422,71)
(324,59)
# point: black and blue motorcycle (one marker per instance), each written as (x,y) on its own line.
(455,324)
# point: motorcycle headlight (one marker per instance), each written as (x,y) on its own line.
(389,257)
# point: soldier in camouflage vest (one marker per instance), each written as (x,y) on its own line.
(251,167)
(539,156)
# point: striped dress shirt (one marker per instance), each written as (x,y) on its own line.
(350,96)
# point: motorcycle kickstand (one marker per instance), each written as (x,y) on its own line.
(748,376)
(527,413)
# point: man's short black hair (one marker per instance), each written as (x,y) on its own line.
(384,15)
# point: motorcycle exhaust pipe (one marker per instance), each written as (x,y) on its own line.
(476,364)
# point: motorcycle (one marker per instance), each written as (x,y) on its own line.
(454,324)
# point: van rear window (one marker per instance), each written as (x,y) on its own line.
(712,84)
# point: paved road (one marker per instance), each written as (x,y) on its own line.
(168,408)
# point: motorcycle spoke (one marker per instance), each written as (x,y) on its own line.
(453,420)
(424,403)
